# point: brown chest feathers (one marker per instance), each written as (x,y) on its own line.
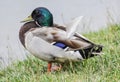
(26,27)
(29,25)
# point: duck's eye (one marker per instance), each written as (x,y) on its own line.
(37,13)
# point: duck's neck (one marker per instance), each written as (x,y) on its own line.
(26,27)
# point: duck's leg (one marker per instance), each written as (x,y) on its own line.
(56,67)
(53,68)
(49,67)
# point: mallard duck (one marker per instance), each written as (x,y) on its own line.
(53,43)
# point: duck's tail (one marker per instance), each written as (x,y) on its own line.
(90,51)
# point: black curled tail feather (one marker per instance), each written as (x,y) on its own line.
(88,51)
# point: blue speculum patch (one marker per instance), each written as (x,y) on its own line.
(60,44)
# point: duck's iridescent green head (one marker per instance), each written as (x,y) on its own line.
(42,16)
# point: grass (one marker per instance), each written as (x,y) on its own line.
(105,68)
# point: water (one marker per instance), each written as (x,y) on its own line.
(97,14)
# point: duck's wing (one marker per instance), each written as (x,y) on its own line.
(83,38)
(71,29)
(72,26)
(45,51)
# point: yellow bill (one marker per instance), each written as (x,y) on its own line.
(28,19)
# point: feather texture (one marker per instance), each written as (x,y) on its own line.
(45,51)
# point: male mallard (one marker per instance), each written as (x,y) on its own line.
(54,43)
